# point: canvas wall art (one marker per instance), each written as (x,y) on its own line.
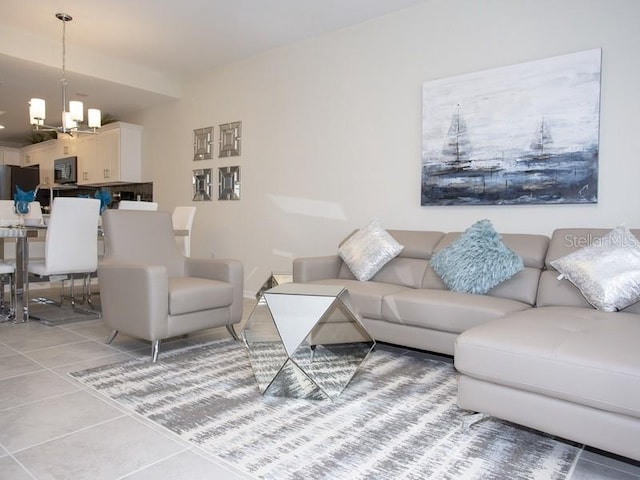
(523,134)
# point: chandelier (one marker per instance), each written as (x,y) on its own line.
(71,119)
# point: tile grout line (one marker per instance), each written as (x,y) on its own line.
(87,427)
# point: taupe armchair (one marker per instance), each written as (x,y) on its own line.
(149,290)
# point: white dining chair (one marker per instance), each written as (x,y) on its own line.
(71,246)
(8,216)
(34,217)
(132,205)
(7,272)
(182,219)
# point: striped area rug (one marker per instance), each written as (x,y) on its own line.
(397,419)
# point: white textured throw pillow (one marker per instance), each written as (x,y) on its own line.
(607,272)
(368,250)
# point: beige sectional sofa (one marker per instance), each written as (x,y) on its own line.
(532,350)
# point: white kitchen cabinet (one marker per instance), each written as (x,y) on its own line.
(9,156)
(112,156)
(40,154)
(44,153)
(65,146)
(87,162)
(35,154)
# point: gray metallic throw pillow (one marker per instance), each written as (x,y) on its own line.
(368,250)
(606,272)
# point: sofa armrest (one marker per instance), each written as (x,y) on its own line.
(224,270)
(307,269)
(134,297)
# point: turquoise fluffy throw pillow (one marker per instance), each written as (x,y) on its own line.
(476,261)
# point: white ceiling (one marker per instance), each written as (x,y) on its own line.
(123,55)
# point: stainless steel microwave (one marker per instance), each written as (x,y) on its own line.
(64,170)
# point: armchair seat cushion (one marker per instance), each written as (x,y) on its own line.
(191,294)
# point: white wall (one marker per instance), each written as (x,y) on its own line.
(332,125)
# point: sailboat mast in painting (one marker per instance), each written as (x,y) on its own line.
(525,134)
(542,141)
(457,147)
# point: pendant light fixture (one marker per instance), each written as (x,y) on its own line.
(72,119)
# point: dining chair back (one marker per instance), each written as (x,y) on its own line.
(132,205)
(34,217)
(7,272)
(71,245)
(8,217)
(182,219)
(8,214)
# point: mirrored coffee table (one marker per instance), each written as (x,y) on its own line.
(305,341)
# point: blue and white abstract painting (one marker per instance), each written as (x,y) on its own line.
(523,134)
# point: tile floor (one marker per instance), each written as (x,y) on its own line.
(53,428)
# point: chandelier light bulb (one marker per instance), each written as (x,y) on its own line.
(37,111)
(95,118)
(76,110)
(67,121)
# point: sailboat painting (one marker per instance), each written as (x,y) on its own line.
(522,134)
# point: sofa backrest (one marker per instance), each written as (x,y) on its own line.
(409,268)
(523,286)
(554,292)
(412,267)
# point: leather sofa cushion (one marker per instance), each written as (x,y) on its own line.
(417,244)
(445,310)
(191,294)
(576,354)
(522,287)
(407,272)
(366,297)
(559,293)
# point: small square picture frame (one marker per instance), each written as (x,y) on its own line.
(203,143)
(230,139)
(229,183)
(202,185)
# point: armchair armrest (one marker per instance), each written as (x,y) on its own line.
(224,270)
(307,269)
(134,295)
